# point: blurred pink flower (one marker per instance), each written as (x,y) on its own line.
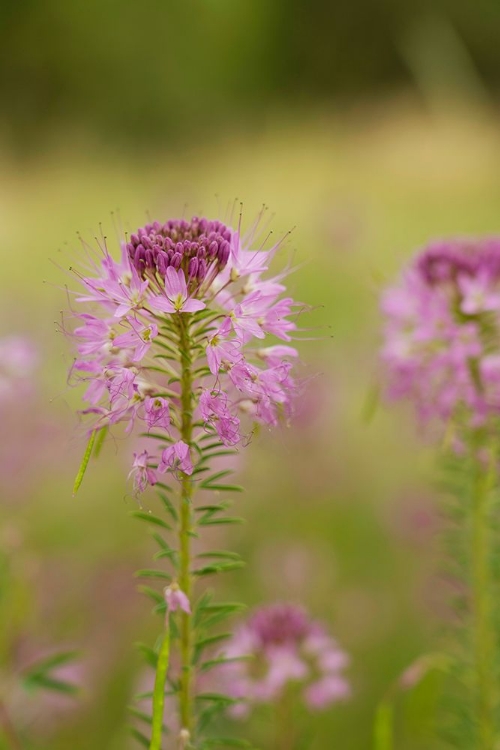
(283,646)
(442,330)
(18,360)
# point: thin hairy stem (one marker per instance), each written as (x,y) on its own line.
(483,632)
(159,689)
(185,526)
(8,729)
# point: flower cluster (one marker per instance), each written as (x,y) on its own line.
(185,285)
(284,646)
(442,333)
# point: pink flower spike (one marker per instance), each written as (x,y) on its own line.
(176,299)
(176,599)
(175,457)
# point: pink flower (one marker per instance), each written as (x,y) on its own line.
(138,339)
(176,299)
(284,646)
(198,281)
(157,412)
(176,457)
(221,350)
(18,359)
(442,320)
(142,473)
(215,412)
(176,599)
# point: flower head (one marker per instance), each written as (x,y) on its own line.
(181,284)
(284,646)
(442,331)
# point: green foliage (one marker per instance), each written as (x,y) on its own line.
(471,703)
(208,614)
(383,729)
(41,674)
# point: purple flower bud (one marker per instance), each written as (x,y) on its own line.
(140,258)
(193,268)
(176,260)
(162,263)
(202,253)
(149,258)
(179,248)
(202,269)
(134,239)
(212,249)
(224,251)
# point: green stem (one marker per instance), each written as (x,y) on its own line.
(285,723)
(185,527)
(159,689)
(483,632)
(383,731)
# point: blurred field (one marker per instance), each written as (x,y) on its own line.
(340,512)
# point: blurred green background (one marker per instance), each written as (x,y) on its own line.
(371,126)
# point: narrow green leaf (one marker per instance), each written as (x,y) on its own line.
(85,462)
(50,662)
(50,683)
(152,593)
(221,553)
(216,698)
(165,546)
(164,487)
(226,607)
(213,508)
(221,660)
(203,643)
(139,736)
(150,518)
(153,573)
(169,553)
(149,654)
(211,639)
(142,715)
(215,613)
(223,487)
(169,506)
(213,521)
(213,478)
(156,436)
(221,567)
